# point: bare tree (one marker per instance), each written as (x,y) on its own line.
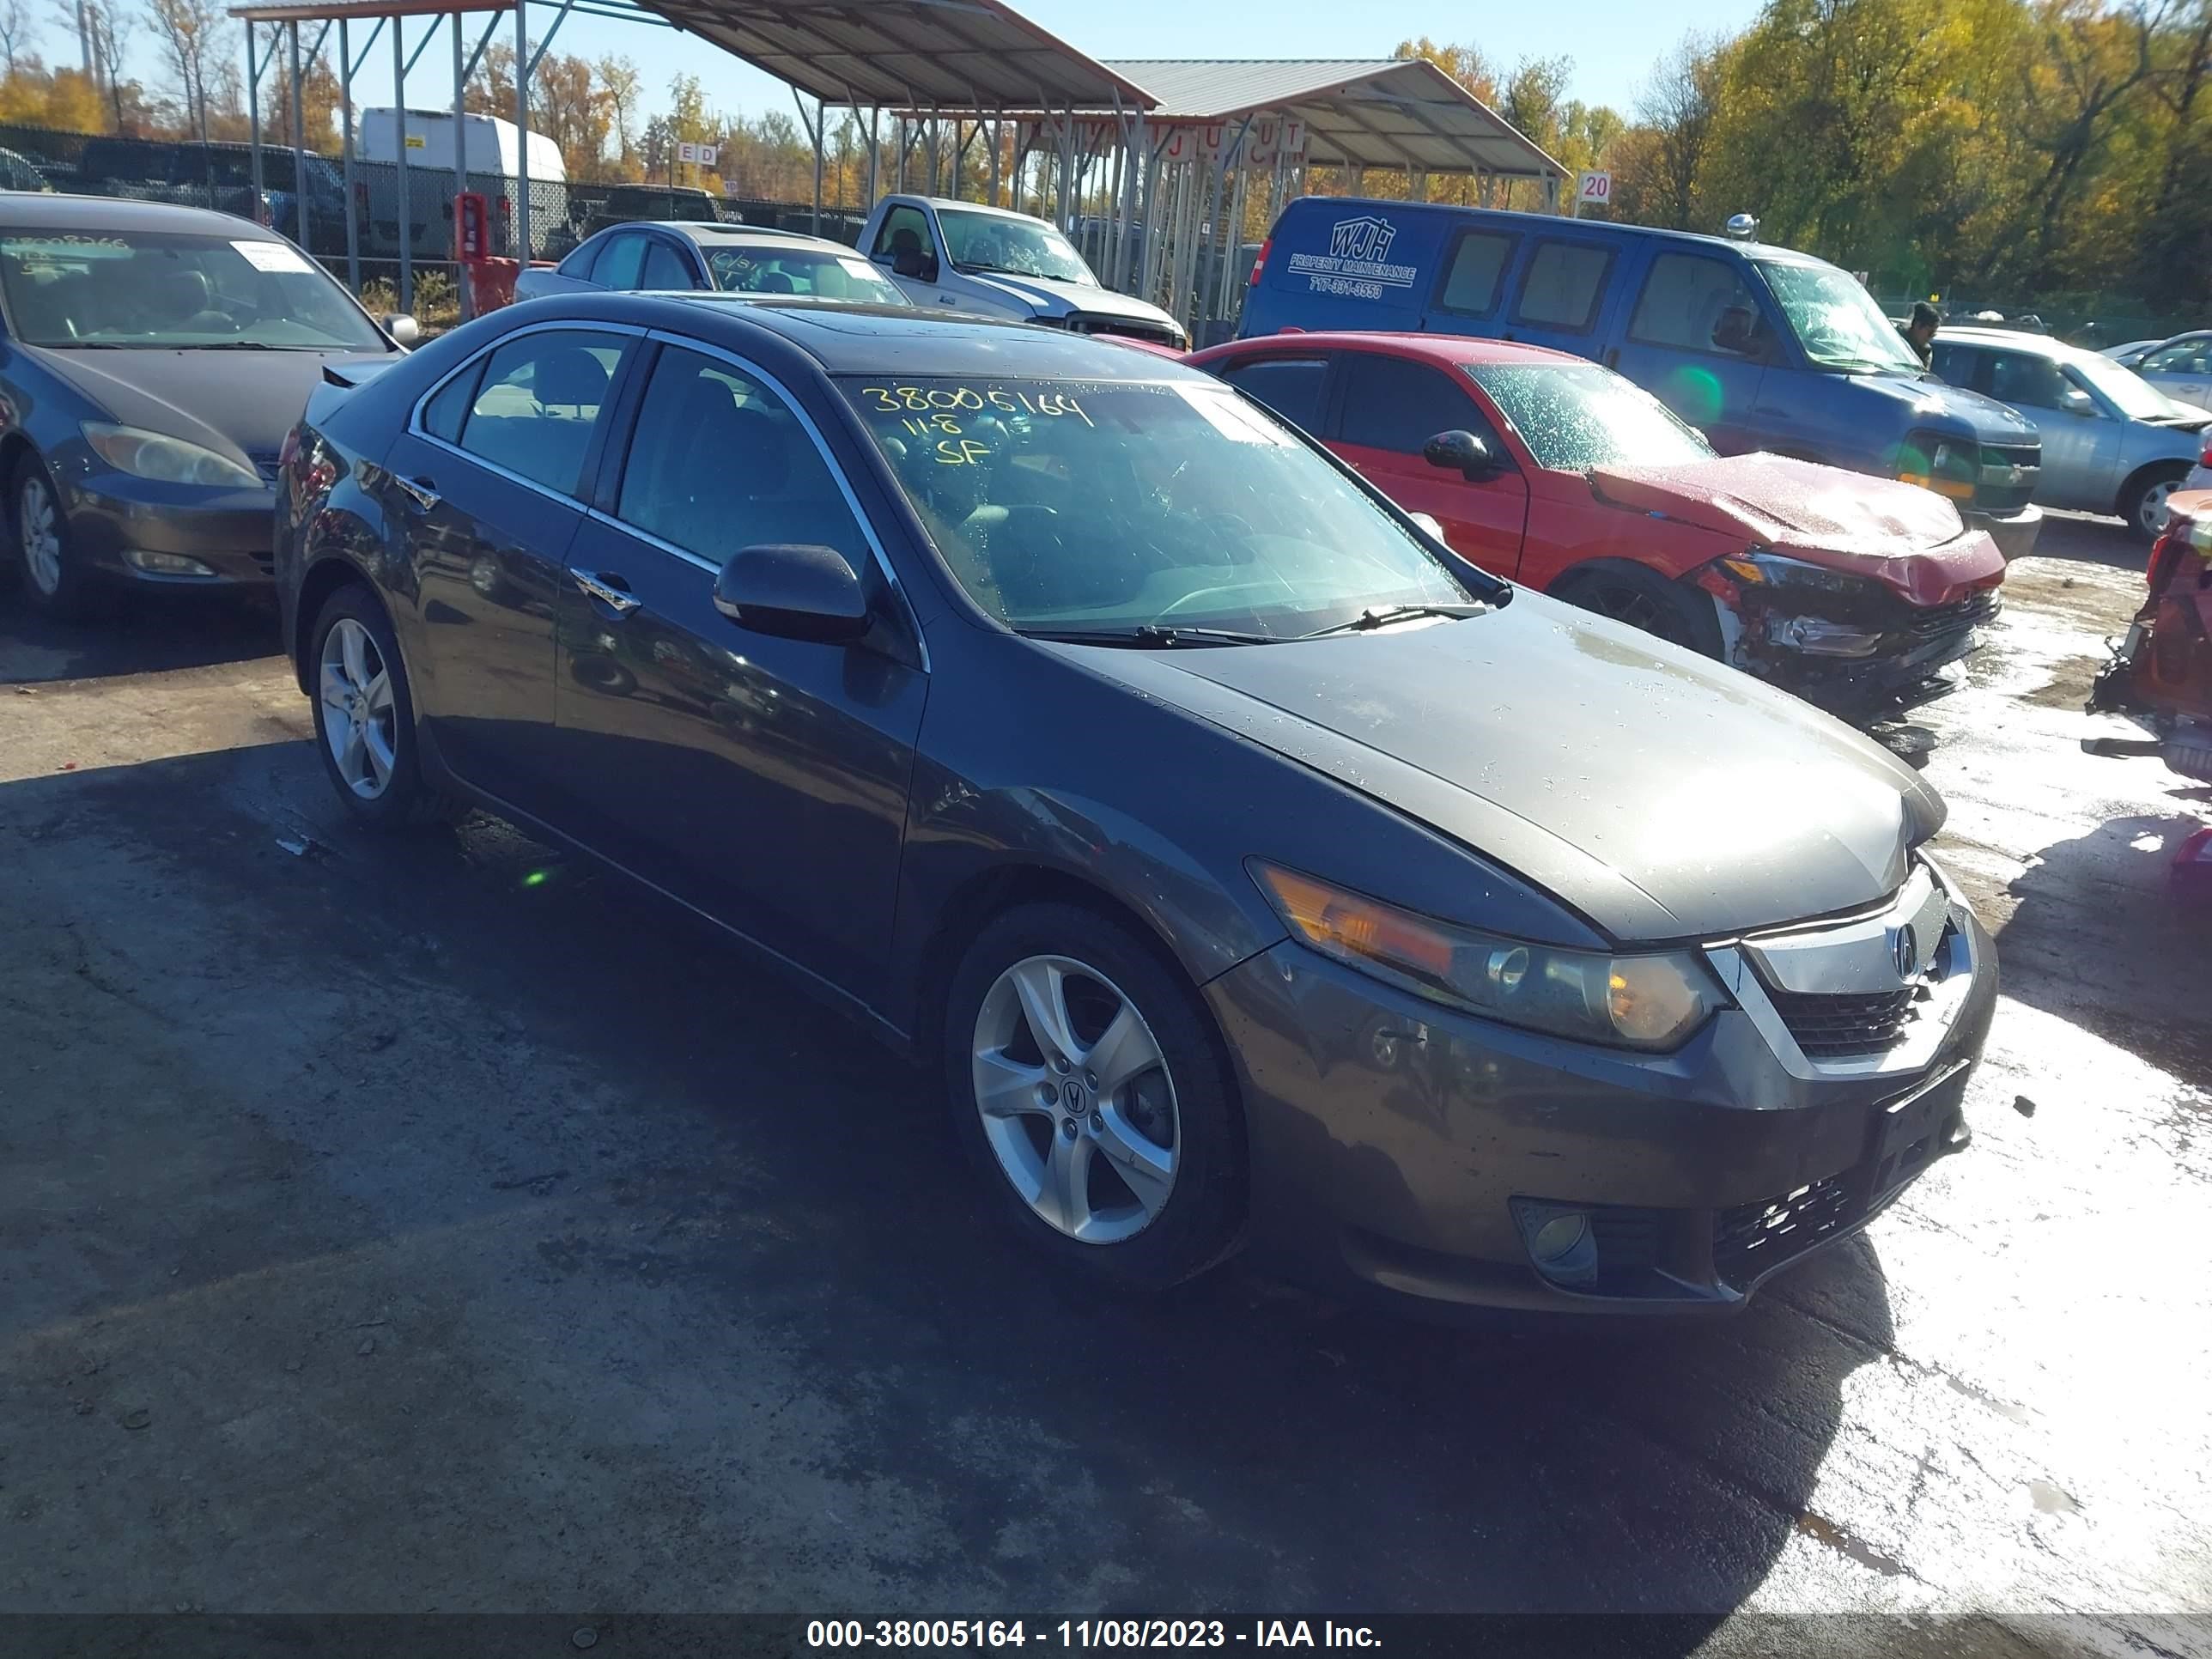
(618,85)
(1679,107)
(108,28)
(17,31)
(191,34)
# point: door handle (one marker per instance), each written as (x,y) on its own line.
(619,600)
(423,492)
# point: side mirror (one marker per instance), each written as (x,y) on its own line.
(795,592)
(404,328)
(2075,401)
(1463,452)
(917,263)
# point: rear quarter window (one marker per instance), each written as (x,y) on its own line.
(1475,271)
(1564,285)
(1292,386)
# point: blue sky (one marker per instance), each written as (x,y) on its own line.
(1613,43)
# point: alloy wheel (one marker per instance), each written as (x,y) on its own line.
(1077,1102)
(39,525)
(2150,509)
(359,720)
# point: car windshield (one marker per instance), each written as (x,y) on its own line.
(1020,247)
(1575,416)
(1836,319)
(1109,507)
(815,272)
(174,291)
(2127,391)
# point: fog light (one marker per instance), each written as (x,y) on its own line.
(164,564)
(1560,1236)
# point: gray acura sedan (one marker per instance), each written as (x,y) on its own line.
(1248,865)
(153,358)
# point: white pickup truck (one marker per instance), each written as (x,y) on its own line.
(980,261)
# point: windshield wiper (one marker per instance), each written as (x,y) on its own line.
(1149,636)
(1368,620)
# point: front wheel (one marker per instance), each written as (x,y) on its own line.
(1094,1098)
(2144,506)
(1644,599)
(55,579)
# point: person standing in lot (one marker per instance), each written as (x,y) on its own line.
(1919,330)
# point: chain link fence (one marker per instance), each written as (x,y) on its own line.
(389,237)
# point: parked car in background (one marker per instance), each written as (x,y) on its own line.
(156,356)
(990,262)
(733,259)
(1760,348)
(957,616)
(221,176)
(2181,368)
(20,172)
(2111,442)
(1558,473)
(2130,352)
(632,203)
(493,150)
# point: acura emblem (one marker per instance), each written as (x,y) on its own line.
(1905,951)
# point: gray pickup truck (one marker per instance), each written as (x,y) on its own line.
(988,262)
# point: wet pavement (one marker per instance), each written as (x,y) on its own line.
(434,1224)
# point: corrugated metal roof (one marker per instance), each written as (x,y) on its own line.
(1390,113)
(975,56)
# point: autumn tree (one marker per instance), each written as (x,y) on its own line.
(192,36)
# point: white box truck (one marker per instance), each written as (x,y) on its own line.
(492,147)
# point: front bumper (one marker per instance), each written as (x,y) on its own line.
(113,516)
(1852,654)
(1398,1147)
(2013,530)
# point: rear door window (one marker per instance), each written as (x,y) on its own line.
(1292,386)
(537,404)
(664,268)
(1475,272)
(1957,364)
(1564,284)
(1395,404)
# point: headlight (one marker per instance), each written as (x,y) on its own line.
(1949,467)
(172,460)
(1643,1002)
(1773,569)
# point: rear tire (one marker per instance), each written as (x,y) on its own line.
(1133,1172)
(2142,504)
(1643,598)
(365,715)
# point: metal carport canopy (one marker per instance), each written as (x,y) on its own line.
(1395,114)
(974,56)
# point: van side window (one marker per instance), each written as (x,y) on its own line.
(1478,264)
(1695,303)
(1289,385)
(1565,281)
(1395,404)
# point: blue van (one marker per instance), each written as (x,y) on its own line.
(1762,348)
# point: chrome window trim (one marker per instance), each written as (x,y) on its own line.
(688,342)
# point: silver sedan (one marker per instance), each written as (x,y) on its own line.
(2181,368)
(2111,442)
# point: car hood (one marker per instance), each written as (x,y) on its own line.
(1057,298)
(1931,400)
(239,403)
(1660,795)
(1910,539)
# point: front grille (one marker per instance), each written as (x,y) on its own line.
(1833,1027)
(1752,1237)
(1941,623)
(1991,496)
(1133,328)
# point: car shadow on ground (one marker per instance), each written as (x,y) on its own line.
(2085,539)
(795,1188)
(142,635)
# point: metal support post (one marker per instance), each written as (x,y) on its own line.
(399,168)
(298,143)
(875,118)
(253,114)
(345,155)
(522,132)
(461,283)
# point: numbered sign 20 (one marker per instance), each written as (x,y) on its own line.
(1594,189)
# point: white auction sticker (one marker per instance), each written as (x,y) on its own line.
(273,256)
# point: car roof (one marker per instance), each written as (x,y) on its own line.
(843,338)
(2014,339)
(112,213)
(1448,351)
(1550,221)
(975,207)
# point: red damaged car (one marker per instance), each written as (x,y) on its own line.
(1851,590)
